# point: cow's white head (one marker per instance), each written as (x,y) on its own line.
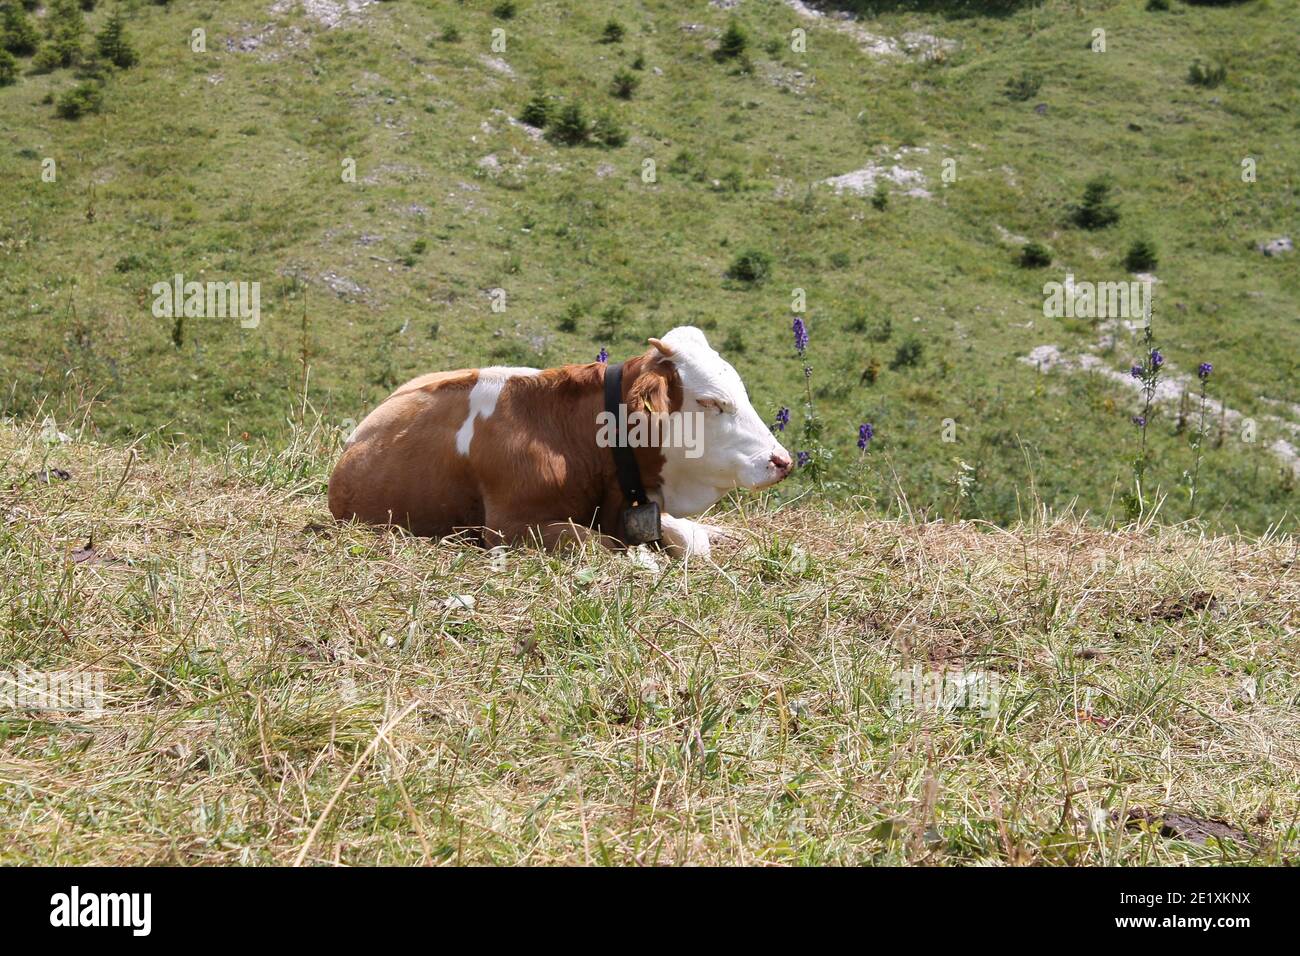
(733,446)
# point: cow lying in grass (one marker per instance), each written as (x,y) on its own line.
(514,454)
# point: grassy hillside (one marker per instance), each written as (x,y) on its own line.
(278,687)
(228,164)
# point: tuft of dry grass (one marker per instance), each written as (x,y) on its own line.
(282,689)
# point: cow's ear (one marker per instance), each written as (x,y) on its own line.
(665,350)
(656,388)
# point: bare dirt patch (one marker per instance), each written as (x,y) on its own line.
(910,182)
(328,13)
(921,45)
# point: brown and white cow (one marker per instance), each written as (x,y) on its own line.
(513,454)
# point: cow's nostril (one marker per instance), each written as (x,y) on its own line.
(782,463)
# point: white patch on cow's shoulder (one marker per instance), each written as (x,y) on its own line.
(483,399)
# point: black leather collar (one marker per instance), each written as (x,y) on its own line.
(629,475)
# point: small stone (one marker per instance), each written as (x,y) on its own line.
(459,602)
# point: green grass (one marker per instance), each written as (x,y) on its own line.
(227,165)
(280,687)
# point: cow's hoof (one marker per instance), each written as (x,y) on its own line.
(685,539)
(723,536)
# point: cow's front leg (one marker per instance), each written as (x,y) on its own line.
(550,535)
(555,535)
(684,538)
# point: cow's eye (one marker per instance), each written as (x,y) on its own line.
(716,405)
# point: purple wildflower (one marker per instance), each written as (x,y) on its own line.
(782,419)
(1204,371)
(603,357)
(802,457)
(800,335)
(1140,421)
(865,433)
(1157,359)
(1136,371)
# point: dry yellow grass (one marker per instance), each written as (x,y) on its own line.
(282,689)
